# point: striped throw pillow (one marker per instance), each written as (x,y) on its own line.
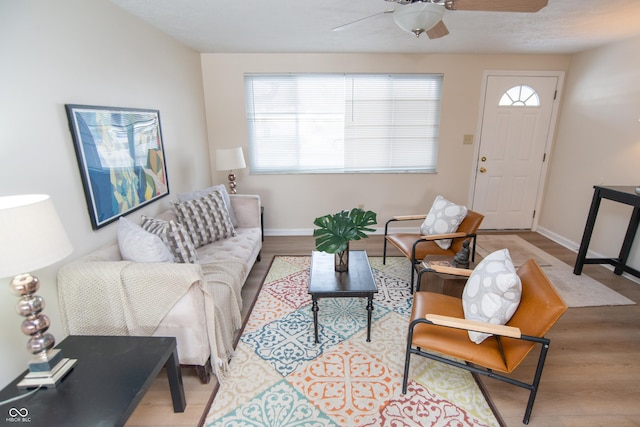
(206,219)
(174,236)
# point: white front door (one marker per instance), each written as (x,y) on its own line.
(515,132)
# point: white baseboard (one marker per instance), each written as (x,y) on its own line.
(288,231)
(574,246)
(309,231)
(561,240)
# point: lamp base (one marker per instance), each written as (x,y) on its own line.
(38,364)
(48,379)
(232,183)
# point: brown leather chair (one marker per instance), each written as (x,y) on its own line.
(416,246)
(438,325)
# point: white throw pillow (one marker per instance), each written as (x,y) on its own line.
(492,293)
(444,217)
(138,245)
(185,197)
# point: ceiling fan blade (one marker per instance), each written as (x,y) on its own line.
(439,30)
(497,5)
(343,26)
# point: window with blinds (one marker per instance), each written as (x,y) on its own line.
(343,123)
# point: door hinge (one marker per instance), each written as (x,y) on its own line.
(555,94)
(544,157)
(534,214)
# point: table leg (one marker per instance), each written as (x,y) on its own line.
(369,312)
(175,382)
(314,309)
(628,241)
(588,230)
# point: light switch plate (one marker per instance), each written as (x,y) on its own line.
(467,139)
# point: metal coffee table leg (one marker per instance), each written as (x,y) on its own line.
(369,312)
(314,309)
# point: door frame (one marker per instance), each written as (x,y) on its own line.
(550,136)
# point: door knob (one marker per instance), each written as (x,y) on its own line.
(482,170)
(483,158)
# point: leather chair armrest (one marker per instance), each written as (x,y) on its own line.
(409,217)
(444,236)
(448,270)
(472,325)
(402,218)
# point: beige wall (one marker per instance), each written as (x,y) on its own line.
(74,51)
(293,201)
(598,143)
(84,52)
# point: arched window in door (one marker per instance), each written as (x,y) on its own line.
(520,96)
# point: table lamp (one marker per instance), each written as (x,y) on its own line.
(230,159)
(32,237)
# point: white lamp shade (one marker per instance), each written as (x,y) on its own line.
(31,234)
(418,17)
(230,159)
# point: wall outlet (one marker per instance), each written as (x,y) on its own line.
(467,139)
(361,206)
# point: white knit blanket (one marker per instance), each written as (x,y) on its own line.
(133,298)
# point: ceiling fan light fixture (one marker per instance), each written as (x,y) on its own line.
(418,17)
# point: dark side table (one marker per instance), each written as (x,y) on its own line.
(621,194)
(447,284)
(109,380)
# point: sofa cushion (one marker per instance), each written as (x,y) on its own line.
(443,217)
(492,292)
(139,245)
(185,197)
(174,236)
(206,219)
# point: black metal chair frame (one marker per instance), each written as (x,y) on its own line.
(533,387)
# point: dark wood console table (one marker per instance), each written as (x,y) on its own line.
(620,194)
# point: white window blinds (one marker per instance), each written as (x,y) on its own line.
(336,123)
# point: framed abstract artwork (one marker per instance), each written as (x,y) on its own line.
(121,159)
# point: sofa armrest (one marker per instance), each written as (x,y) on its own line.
(247,209)
(92,294)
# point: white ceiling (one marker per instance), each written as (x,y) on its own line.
(252,26)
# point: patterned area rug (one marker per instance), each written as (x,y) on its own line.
(280,377)
(577,291)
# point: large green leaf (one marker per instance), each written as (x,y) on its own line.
(335,231)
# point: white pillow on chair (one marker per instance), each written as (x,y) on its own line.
(444,217)
(492,292)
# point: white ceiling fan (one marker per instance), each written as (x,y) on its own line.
(425,16)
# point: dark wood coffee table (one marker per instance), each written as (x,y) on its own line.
(325,282)
(109,380)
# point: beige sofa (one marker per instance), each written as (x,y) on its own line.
(199,304)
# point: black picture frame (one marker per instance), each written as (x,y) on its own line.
(121,159)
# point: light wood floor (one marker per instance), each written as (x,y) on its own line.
(591,377)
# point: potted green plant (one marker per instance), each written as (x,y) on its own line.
(335,231)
